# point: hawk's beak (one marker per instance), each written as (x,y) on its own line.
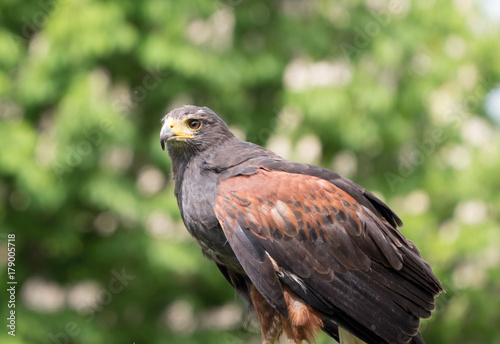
(166,133)
(171,131)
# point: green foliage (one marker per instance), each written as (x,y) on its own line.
(389,93)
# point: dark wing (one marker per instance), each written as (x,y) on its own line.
(350,264)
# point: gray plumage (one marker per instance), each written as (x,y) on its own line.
(281,231)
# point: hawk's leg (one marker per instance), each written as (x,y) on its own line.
(303,323)
(269,319)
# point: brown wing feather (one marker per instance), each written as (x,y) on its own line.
(280,205)
(331,250)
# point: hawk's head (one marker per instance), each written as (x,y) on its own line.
(190,129)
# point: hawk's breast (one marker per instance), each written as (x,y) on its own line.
(196,200)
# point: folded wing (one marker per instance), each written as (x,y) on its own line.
(341,257)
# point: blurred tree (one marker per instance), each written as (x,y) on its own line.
(388,93)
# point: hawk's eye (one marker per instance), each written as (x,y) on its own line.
(194,124)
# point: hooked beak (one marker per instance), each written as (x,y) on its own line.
(171,131)
(165,134)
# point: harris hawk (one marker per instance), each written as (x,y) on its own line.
(309,249)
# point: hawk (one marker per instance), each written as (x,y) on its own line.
(308,249)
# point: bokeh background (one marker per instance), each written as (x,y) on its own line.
(401,96)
